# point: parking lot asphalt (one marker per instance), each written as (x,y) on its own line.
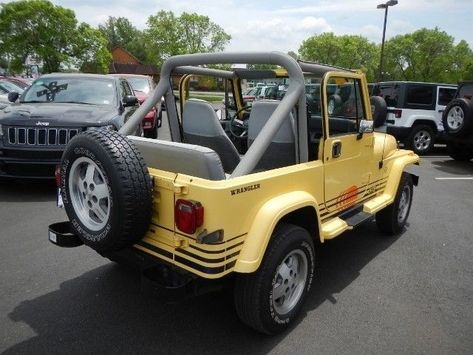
(372,294)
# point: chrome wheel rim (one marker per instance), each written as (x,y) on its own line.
(89,193)
(289,282)
(422,140)
(455,118)
(404,203)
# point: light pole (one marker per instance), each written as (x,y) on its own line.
(384,6)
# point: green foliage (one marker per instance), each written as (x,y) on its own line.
(169,35)
(91,51)
(426,55)
(119,32)
(348,51)
(47,33)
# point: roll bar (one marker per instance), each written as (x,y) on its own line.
(294,96)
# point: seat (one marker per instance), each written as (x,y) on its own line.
(179,157)
(282,149)
(201,126)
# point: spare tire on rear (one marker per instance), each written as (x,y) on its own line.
(106,189)
(379,111)
(457,118)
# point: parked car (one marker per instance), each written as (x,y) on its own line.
(458,123)
(36,128)
(415,111)
(169,207)
(142,86)
(6,87)
(21,82)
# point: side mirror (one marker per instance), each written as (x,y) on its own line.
(130,100)
(379,111)
(13,96)
(366,127)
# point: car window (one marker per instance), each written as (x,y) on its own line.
(140,84)
(446,95)
(125,88)
(7,86)
(345,108)
(390,93)
(86,90)
(420,94)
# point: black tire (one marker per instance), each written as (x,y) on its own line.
(457,118)
(392,219)
(460,152)
(106,189)
(254,292)
(379,110)
(421,139)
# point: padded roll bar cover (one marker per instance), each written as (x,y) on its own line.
(181,158)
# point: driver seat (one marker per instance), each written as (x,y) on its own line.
(201,126)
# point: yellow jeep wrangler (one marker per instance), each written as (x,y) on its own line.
(195,208)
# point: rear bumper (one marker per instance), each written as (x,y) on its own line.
(157,277)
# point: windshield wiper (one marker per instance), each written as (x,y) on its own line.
(74,102)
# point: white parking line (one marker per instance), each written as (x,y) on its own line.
(455,178)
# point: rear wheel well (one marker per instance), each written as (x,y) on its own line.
(305,217)
(429,123)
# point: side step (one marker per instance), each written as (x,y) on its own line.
(356,216)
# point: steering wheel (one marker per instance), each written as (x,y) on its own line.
(239,127)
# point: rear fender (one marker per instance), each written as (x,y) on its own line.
(263,226)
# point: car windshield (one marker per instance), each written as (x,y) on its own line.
(7,86)
(71,90)
(139,84)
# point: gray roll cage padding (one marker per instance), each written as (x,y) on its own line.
(294,96)
(183,158)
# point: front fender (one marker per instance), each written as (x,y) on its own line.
(264,223)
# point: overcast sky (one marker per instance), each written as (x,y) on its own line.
(283,24)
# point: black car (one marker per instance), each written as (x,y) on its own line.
(36,128)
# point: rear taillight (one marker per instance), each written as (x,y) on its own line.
(397,113)
(188,215)
(57,175)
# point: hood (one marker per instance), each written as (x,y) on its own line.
(57,114)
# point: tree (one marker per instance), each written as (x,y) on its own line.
(49,34)
(428,55)
(90,50)
(119,32)
(169,35)
(348,51)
